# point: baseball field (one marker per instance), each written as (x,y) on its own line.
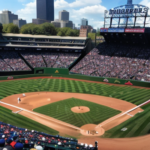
(87,111)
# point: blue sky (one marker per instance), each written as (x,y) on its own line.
(93,10)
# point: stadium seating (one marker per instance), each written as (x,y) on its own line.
(34,58)
(49,59)
(107,60)
(31,139)
(116,61)
(59,60)
(11,61)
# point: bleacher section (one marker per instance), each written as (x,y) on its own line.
(31,139)
(11,60)
(34,58)
(117,61)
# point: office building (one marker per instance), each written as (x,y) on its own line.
(19,22)
(66,24)
(64,15)
(56,23)
(84,22)
(7,17)
(73,26)
(89,28)
(129,2)
(63,20)
(45,9)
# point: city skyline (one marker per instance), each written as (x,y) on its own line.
(91,10)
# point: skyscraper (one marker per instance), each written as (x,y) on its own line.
(84,22)
(129,2)
(19,22)
(45,9)
(64,15)
(7,17)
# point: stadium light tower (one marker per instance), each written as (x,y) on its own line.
(129,2)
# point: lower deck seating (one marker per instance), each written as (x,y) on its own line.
(11,61)
(30,139)
(116,61)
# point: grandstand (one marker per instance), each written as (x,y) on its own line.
(22,53)
(122,61)
(61,78)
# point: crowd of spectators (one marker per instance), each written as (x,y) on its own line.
(117,61)
(11,61)
(15,138)
(65,60)
(4,66)
(49,59)
(59,60)
(34,58)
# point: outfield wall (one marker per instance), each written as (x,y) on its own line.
(58,72)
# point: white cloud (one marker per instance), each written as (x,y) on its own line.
(147,4)
(90,9)
(94,10)
(28,12)
(21,0)
(81,3)
(61,4)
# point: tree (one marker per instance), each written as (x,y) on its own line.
(27,29)
(70,33)
(48,29)
(60,33)
(76,32)
(5,28)
(98,32)
(42,29)
(10,28)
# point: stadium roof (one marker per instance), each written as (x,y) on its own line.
(43,36)
(35,46)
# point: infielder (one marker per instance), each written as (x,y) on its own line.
(19,100)
(24,94)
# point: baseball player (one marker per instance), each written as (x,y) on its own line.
(24,94)
(19,100)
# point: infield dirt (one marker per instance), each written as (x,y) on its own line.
(37,99)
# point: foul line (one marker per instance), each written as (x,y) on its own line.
(45,117)
(115,117)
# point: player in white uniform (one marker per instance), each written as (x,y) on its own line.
(19,100)
(23,94)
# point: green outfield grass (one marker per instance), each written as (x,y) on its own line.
(62,111)
(127,93)
(7,116)
(136,126)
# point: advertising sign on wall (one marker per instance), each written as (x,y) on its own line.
(128,10)
(10,78)
(138,30)
(104,30)
(121,30)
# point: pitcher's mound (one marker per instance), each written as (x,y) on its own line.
(80,109)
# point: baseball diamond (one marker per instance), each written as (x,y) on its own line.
(55,97)
(87,91)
